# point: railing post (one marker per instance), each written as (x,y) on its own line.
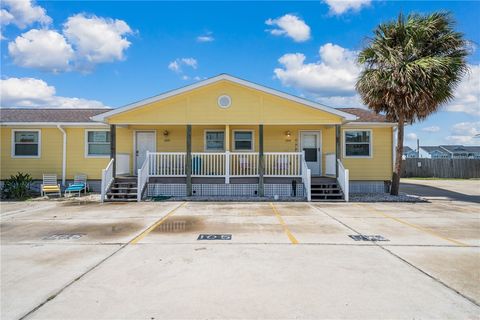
(227,167)
(188,164)
(139,185)
(261,162)
(337,148)
(102,195)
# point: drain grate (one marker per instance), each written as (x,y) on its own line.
(214,237)
(64,236)
(363,237)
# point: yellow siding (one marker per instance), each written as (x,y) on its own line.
(249,106)
(50,160)
(379,167)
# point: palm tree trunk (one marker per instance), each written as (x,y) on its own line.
(398,158)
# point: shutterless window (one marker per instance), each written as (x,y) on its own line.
(26,144)
(357,143)
(98,143)
(214,140)
(243,140)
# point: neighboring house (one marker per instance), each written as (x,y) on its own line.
(433,152)
(409,152)
(450,152)
(219,137)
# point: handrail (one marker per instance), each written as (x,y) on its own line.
(107,179)
(142,176)
(306,178)
(343,179)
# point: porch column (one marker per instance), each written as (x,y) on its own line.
(188,164)
(113,147)
(337,148)
(227,154)
(261,163)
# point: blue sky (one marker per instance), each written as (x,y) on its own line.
(91,53)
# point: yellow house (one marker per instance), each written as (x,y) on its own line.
(220,137)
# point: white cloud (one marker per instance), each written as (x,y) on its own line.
(291,26)
(97,39)
(431,129)
(178,64)
(464,133)
(208,37)
(42,49)
(467,95)
(31,92)
(334,75)
(23,13)
(338,7)
(411,136)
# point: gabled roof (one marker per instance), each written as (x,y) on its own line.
(365,115)
(48,115)
(407,149)
(345,115)
(431,149)
(460,148)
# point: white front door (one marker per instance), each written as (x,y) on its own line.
(310,144)
(144,141)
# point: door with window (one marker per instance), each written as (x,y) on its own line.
(144,141)
(310,144)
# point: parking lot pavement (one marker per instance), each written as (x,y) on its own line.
(284,260)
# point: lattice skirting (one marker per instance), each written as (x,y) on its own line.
(284,190)
(167,189)
(234,190)
(368,187)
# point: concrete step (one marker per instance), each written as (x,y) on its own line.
(123,194)
(121,200)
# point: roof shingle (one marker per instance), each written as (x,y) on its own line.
(48,115)
(365,115)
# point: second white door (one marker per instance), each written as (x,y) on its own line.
(144,141)
(310,144)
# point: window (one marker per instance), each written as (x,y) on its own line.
(98,143)
(243,140)
(357,143)
(26,144)
(214,140)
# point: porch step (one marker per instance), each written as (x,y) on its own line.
(123,189)
(325,189)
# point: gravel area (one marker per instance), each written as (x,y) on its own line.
(384,197)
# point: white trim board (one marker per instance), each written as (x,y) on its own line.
(347,116)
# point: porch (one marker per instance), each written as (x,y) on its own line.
(254,173)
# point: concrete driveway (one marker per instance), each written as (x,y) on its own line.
(284,260)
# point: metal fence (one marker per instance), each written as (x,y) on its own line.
(441,168)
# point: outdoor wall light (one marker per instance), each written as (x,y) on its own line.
(165,133)
(288,134)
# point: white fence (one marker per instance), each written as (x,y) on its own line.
(208,164)
(142,177)
(283,164)
(343,179)
(107,179)
(166,164)
(243,164)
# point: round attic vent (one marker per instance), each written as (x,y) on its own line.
(224,101)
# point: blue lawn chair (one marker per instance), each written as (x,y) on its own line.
(79,184)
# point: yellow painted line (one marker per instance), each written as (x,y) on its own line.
(156,224)
(426,230)
(290,236)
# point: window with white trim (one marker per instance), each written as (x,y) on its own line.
(357,143)
(243,140)
(98,143)
(214,140)
(26,143)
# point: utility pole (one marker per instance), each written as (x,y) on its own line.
(418,148)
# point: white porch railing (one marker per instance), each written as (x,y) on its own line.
(330,164)
(283,164)
(167,164)
(243,164)
(208,164)
(107,179)
(306,178)
(343,179)
(142,177)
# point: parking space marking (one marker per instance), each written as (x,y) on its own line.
(290,236)
(156,224)
(426,230)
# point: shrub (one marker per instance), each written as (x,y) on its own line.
(18,186)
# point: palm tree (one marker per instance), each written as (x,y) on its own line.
(411,67)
